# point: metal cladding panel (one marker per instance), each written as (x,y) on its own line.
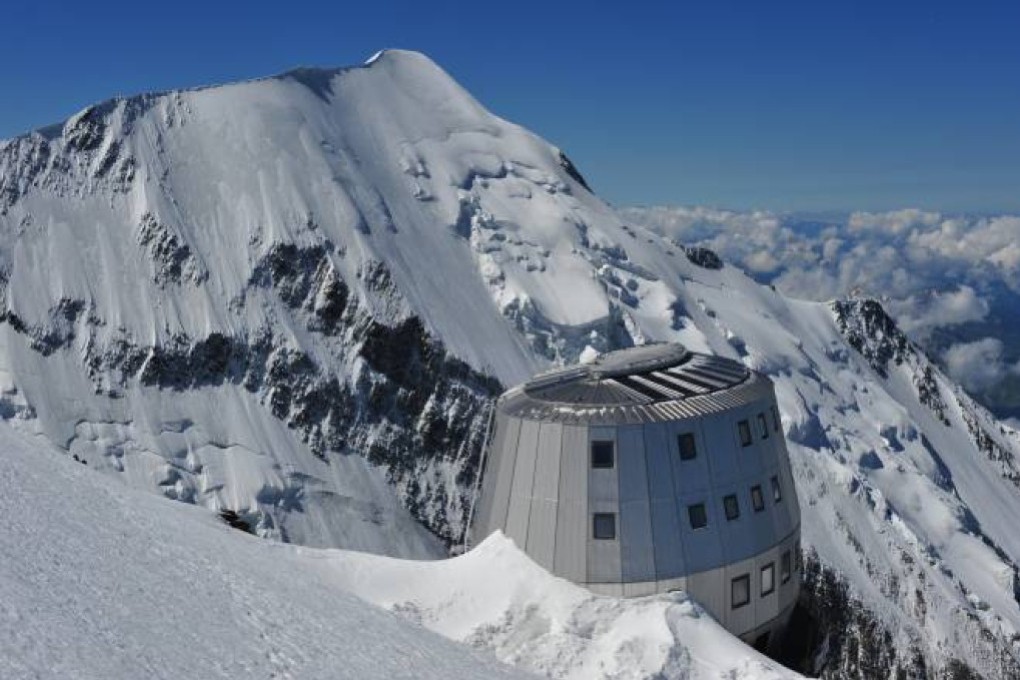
(547,466)
(723,446)
(737,535)
(690,476)
(603,496)
(572,531)
(630,461)
(524,478)
(545,491)
(657,462)
(702,548)
(669,557)
(710,589)
(788,591)
(766,606)
(762,524)
(508,431)
(669,552)
(603,483)
(740,620)
(789,487)
(481,522)
(637,552)
(753,462)
(785,512)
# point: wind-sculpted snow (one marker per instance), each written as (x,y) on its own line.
(100,581)
(340,269)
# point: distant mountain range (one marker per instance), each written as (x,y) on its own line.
(951,281)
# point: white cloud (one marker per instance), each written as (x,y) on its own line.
(977,365)
(923,313)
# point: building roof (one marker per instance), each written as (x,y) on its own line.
(656,382)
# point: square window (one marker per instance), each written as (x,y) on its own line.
(768,579)
(604,526)
(777,491)
(763,426)
(757,498)
(688,451)
(775,419)
(745,432)
(740,591)
(785,567)
(697,515)
(732,507)
(602,454)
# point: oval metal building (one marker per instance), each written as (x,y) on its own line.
(651,469)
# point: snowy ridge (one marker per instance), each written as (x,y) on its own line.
(289,296)
(113,583)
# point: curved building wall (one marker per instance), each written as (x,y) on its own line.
(541,488)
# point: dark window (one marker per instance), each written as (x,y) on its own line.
(745,432)
(798,557)
(740,591)
(696,513)
(732,507)
(604,526)
(768,579)
(688,451)
(775,419)
(757,499)
(785,567)
(602,454)
(777,491)
(763,426)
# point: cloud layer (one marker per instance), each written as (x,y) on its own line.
(934,272)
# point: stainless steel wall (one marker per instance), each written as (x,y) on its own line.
(542,491)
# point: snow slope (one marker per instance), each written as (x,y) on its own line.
(101,581)
(289,296)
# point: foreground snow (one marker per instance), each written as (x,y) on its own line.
(102,581)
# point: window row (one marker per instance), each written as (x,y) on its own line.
(740,587)
(744,427)
(698,517)
(603,453)
(604,523)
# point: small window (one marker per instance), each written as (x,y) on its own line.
(775,419)
(777,491)
(604,526)
(697,515)
(757,498)
(732,507)
(785,565)
(763,427)
(745,432)
(688,451)
(740,591)
(602,454)
(798,557)
(768,579)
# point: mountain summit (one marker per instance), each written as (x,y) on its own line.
(295,298)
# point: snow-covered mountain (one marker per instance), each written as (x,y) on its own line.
(292,297)
(104,582)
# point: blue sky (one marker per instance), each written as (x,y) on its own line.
(785,105)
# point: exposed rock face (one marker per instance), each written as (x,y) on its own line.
(872,332)
(703,257)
